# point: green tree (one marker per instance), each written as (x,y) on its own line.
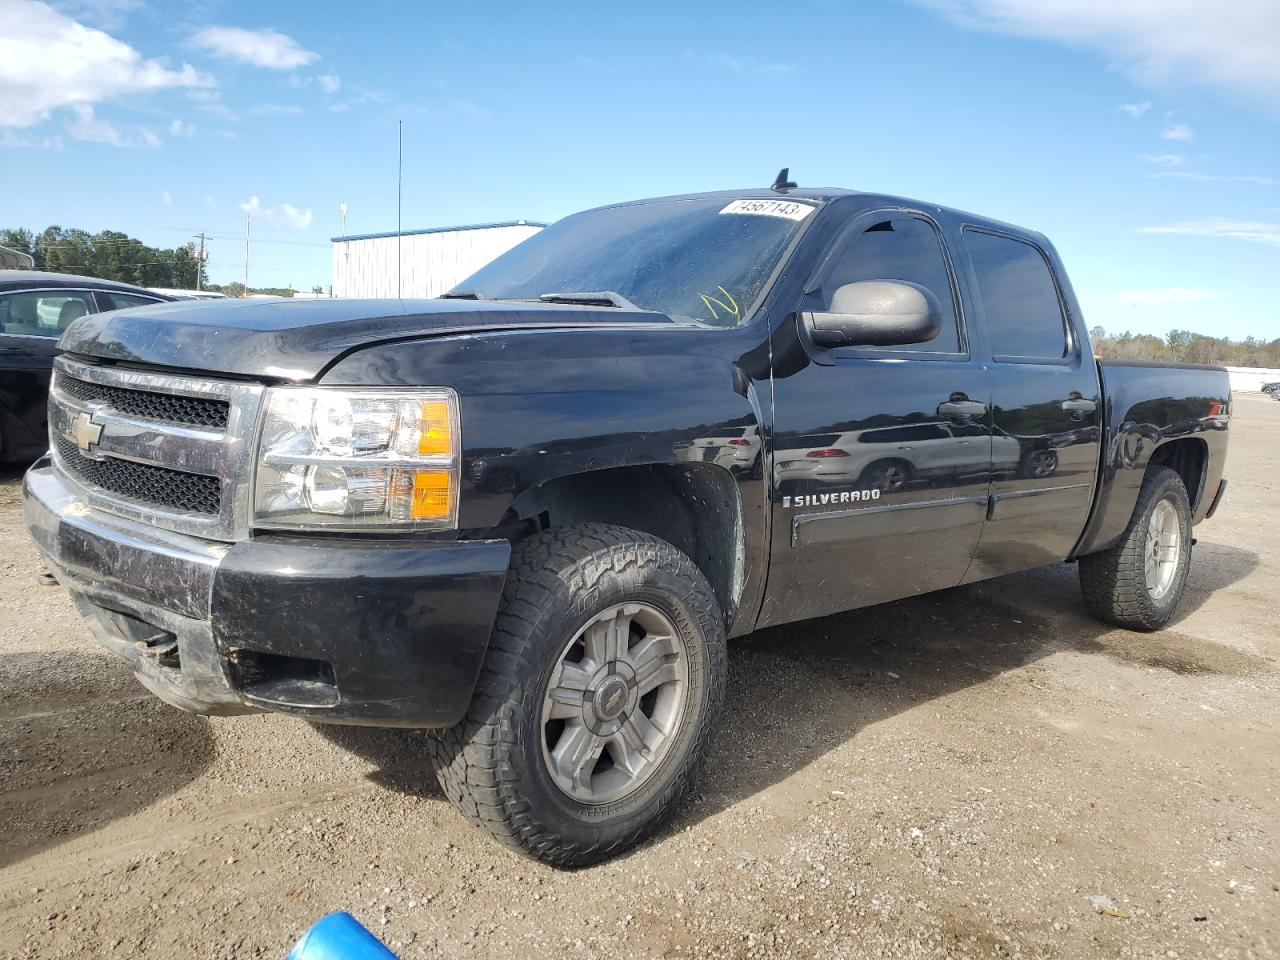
(109,254)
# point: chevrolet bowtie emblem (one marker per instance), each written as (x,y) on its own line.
(85,432)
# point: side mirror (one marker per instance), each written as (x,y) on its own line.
(876,313)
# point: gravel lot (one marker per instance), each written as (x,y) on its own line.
(980,772)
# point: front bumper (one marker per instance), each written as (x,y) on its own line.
(381,632)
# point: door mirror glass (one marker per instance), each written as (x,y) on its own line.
(876,313)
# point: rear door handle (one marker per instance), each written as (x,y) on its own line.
(1079,406)
(962,408)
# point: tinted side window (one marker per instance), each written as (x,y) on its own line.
(1024,317)
(900,248)
(913,433)
(42,314)
(119,301)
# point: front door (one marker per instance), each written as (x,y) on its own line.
(30,323)
(882,456)
(1045,406)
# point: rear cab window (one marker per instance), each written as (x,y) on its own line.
(112,300)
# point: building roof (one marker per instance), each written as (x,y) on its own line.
(459,229)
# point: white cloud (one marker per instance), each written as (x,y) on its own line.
(210,102)
(259,48)
(275,109)
(1251,230)
(298,219)
(1164,159)
(87,126)
(1166,295)
(228,134)
(167,198)
(1214,177)
(210,202)
(107,14)
(48,60)
(1136,109)
(284,215)
(328,82)
(1178,131)
(180,129)
(735,63)
(11,140)
(360,99)
(1228,43)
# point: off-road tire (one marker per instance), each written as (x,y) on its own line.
(491,765)
(1113,581)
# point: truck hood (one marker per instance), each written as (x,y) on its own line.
(296,339)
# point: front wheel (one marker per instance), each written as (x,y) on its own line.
(1138,583)
(603,680)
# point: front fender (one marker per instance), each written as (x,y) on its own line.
(540,405)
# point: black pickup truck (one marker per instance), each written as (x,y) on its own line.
(528,514)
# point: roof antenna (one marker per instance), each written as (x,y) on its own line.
(782,184)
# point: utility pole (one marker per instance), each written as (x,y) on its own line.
(346,254)
(200,268)
(399,190)
(247,218)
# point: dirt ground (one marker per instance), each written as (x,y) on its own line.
(980,772)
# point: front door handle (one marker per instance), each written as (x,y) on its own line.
(1079,405)
(962,408)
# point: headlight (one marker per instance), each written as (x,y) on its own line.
(358,459)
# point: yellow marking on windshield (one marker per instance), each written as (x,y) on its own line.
(730,308)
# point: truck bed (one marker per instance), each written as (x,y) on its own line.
(1148,403)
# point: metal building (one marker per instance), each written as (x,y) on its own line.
(431,261)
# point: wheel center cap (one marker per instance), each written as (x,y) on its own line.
(611,698)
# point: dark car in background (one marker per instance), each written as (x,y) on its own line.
(35,308)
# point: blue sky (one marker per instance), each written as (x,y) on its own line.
(1143,136)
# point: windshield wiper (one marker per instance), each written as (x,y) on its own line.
(462,295)
(596,298)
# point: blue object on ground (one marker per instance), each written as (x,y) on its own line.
(339,936)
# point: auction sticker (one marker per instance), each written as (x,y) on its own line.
(786,209)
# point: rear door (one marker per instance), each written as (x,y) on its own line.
(875,496)
(1046,406)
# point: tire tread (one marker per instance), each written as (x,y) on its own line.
(1113,581)
(487,791)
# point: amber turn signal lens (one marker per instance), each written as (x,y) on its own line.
(432,495)
(433,428)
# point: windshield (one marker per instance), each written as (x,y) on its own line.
(702,259)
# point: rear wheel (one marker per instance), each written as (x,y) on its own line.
(1138,583)
(604,677)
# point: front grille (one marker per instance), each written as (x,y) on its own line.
(171,408)
(161,486)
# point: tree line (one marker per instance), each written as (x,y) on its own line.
(1186,346)
(110,255)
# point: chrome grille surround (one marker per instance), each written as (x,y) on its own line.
(226,454)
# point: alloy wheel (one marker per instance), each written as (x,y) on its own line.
(611,710)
